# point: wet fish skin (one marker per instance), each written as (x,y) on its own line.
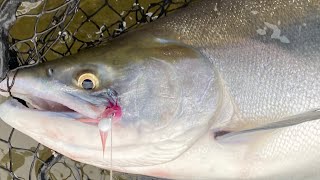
(217,66)
(284,60)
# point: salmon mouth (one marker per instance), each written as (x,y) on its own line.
(73,107)
(54,96)
(45,105)
(42,104)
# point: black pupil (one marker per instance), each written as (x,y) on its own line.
(87,84)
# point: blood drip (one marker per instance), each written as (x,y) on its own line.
(113,111)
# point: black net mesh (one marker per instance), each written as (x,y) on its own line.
(59,27)
(50,29)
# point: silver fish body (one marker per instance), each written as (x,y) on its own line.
(266,52)
(217,67)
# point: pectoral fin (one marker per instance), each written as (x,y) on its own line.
(247,135)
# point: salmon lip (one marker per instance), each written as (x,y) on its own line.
(42,104)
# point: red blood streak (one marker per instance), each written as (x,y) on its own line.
(112,110)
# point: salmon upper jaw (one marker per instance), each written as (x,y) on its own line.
(42,104)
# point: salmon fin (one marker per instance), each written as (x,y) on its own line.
(246,135)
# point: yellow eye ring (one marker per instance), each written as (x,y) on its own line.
(88,81)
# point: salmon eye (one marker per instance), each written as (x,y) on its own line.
(88,81)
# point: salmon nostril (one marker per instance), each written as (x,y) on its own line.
(50,72)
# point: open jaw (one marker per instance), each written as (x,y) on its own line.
(82,141)
(39,104)
(68,109)
(42,111)
(103,121)
(59,127)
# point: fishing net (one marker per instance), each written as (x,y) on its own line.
(49,29)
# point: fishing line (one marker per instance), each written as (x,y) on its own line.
(111,151)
